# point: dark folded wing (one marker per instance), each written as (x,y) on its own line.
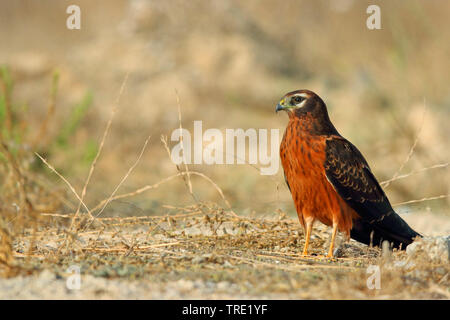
(351,177)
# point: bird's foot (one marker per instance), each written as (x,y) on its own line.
(323,257)
(331,257)
(315,256)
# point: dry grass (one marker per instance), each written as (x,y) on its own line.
(249,240)
(260,255)
(203,241)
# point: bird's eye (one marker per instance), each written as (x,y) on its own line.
(297,99)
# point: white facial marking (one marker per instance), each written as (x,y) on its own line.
(305,96)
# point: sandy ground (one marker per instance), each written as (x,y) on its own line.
(190,261)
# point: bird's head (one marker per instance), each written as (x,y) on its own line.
(299,101)
(305,104)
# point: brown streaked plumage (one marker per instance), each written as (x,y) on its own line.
(330,180)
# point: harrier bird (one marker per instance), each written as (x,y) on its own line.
(330,180)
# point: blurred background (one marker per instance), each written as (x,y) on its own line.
(230,62)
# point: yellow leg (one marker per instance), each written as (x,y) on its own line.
(309,225)
(333,237)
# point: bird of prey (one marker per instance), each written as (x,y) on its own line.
(330,180)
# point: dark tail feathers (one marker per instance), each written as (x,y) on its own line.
(391,228)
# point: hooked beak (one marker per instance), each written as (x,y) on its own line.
(280,106)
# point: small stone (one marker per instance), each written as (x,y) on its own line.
(223,285)
(435,249)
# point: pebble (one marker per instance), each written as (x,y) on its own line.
(436,249)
